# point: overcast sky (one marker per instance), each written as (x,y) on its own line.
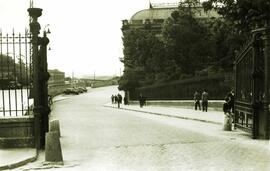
(85,34)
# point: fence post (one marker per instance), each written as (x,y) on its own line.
(34,13)
(44,77)
(266,39)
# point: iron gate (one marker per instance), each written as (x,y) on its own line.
(250,86)
(24,76)
(15,74)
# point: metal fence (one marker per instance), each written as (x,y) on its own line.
(15,74)
(250,93)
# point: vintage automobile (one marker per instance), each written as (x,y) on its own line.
(14,85)
(71,91)
(82,89)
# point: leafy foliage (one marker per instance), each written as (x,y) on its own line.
(186,45)
(13,70)
(244,15)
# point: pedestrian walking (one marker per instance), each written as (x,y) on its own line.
(125,101)
(144,100)
(197,100)
(115,99)
(227,126)
(119,97)
(112,98)
(204,101)
(141,100)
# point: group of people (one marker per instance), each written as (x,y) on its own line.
(204,98)
(228,106)
(117,99)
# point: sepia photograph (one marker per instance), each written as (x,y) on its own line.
(135,85)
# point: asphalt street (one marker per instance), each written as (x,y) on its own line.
(97,138)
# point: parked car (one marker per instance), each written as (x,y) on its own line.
(14,85)
(71,91)
(78,89)
(82,89)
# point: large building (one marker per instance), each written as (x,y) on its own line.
(56,77)
(155,16)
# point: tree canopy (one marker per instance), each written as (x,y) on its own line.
(187,45)
(244,15)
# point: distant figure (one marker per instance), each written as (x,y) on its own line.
(125,101)
(112,97)
(119,97)
(230,96)
(204,101)
(115,99)
(226,107)
(197,100)
(228,117)
(141,100)
(144,100)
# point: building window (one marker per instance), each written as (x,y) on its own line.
(158,21)
(137,21)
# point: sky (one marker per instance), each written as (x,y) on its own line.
(86,37)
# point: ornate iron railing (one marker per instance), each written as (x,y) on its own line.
(15,74)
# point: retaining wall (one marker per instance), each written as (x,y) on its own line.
(17,132)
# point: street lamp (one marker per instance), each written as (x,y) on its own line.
(46,32)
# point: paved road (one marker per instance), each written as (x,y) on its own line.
(100,138)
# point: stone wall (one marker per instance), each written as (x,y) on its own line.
(54,90)
(17,132)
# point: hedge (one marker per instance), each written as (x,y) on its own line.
(216,85)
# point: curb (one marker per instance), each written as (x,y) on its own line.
(20,163)
(167,115)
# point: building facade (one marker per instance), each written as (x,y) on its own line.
(56,77)
(154,17)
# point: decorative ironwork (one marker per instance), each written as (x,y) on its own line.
(15,77)
(249,74)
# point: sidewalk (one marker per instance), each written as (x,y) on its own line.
(211,116)
(15,157)
(12,158)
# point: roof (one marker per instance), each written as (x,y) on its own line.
(164,13)
(154,13)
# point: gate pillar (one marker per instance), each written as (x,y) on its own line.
(266,40)
(34,13)
(43,82)
(256,84)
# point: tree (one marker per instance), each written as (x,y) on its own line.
(186,39)
(12,70)
(185,45)
(244,15)
(239,18)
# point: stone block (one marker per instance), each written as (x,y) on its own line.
(55,127)
(53,151)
